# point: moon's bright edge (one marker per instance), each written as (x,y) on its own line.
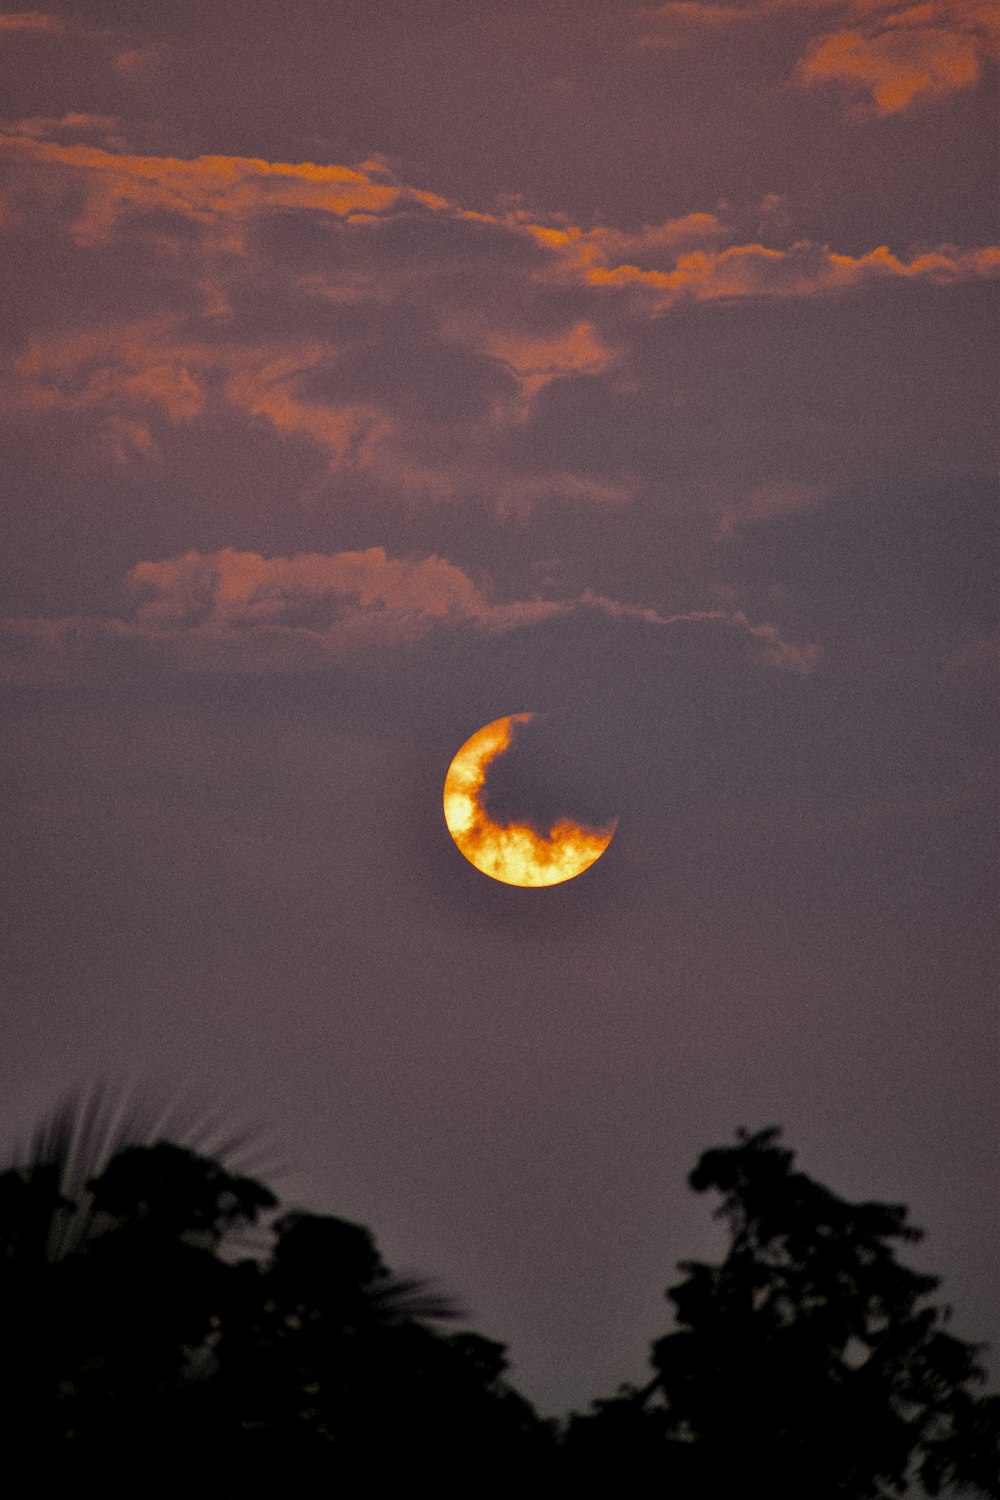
(514,853)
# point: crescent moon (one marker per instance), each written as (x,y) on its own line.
(514,853)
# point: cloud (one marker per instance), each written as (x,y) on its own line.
(755,270)
(207,190)
(764,503)
(693,257)
(673,25)
(239,612)
(268,385)
(133,372)
(345,597)
(898,63)
(226,199)
(584,250)
(124,376)
(538,361)
(320,306)
(41,127)
(133,377)
(890,54)
(30,20)
(134,61)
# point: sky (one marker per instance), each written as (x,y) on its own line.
(371,371)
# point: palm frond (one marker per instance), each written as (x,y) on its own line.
(90,1124)
(404,1298)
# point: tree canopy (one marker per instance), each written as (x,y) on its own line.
(165,1312)
(168,1320)
(810,1360)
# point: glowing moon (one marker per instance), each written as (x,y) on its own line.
(515,853)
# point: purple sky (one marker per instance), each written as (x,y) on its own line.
(373,370)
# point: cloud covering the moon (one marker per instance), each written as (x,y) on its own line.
(515,853)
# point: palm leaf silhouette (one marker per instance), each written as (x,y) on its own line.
(91,1124)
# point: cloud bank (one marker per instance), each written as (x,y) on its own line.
(418,346)
(239,612)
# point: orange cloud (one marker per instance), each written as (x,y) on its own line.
(132,376)
(38,127)
(896,65)
(207,189)
(31,20)
(136,60)
(240,612)
(537,362)
(273,343)
(134,370)
(122,373)
(586,249)
(755,270)
(799,657)
(394,599)
(891,53)
(682,259)
(265,385)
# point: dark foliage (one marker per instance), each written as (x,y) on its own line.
(141,1345)
(161,1327)
(809,1363)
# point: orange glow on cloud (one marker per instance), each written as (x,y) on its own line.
(538,361)
(514,853)
(751,270)
(659,266)
(208,189)
(240,612)
(893,51)
(30,20)
(895,66)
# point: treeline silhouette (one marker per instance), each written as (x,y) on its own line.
(165,1324)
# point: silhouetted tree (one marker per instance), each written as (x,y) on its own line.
(809,1363)
(330,1351)
(158,1321)
(133,1323)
